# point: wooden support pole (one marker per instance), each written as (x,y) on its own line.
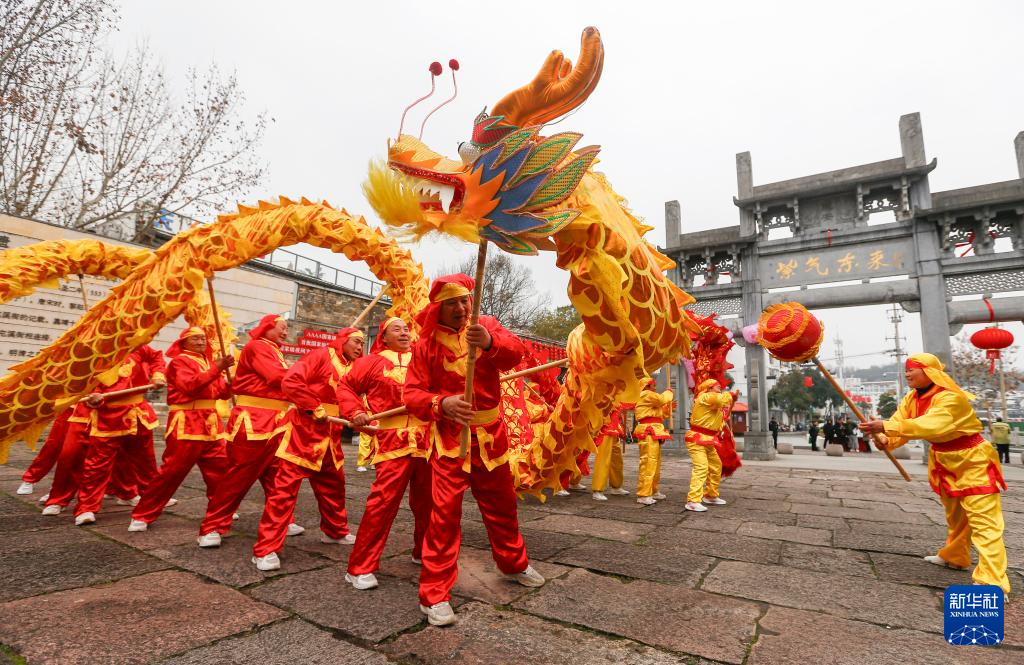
(880,443)
(366,311)
(481,263)
(220,335)
(81,287)
(126,391)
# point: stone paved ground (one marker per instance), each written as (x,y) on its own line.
(803,566)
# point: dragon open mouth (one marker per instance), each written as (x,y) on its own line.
(437,191)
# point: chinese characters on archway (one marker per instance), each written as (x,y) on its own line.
(848,263)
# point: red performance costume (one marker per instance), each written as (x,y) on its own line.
(436,375)
(310,447)
(119,425)
(195,433)
(255,420)
(400,457)
(47,456)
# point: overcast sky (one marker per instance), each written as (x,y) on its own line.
(806,87)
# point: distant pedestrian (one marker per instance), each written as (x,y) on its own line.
(773,426)
(812,435)
(829,432)
(1001,439)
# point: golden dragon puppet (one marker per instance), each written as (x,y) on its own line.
(513,186)
(159,286)
(526,192)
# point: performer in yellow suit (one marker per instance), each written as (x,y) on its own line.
(608,463)
(651,410)
(706,423)
(963,469)
(367,449)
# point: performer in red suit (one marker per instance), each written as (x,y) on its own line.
(70,462)
(434,392)
(47,456)
(401,456)
(119,425)
(255,422)
(310,447)
(195,433)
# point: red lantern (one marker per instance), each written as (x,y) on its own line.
(992,340)
(789,332)
(808,381)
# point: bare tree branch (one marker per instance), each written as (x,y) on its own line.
(94,143)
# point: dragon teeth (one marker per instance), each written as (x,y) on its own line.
(446,193)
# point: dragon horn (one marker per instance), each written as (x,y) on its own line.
(435,71)
(453,64)
(558,87)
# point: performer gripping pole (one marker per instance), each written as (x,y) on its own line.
(255,421)
(433,392)
(310,448)
(402,448)
(963,468)
(195,433)
(120,421)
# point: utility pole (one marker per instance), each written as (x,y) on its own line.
(896,318)
(839,357)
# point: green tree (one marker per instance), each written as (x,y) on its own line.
(556,323)
(887,404)
(792,394)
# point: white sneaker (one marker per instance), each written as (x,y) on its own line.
(44,498)
(441,614)
(646,500)
(134,501)
(714,501)
(25,488)
(939,561)
(578,487)
(528,577)
(418,562)
(695,507)
(562,493)
(211,539)
(234,517)
(362,582)
(361,469)
(347,539)
(598,496)
(617,491)
(171,502)
(295,530)
(137,525)
(85,518)
(658,496)
(269,562)
(53,509)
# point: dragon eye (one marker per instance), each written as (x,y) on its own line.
(469,152)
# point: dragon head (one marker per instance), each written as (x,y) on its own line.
(510,181)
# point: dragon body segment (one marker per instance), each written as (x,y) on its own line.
(161,286)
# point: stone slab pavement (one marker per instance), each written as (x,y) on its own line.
(814,560)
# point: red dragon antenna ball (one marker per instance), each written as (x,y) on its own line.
(790,332)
